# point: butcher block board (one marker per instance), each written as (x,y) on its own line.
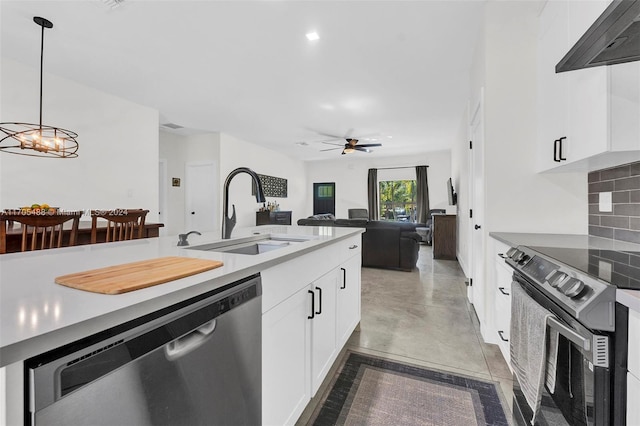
(136,275)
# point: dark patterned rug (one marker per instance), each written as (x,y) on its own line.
(375,391)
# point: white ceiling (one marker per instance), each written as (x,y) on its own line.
(398,70)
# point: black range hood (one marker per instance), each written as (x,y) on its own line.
(613,39)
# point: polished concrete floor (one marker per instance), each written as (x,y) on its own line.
(423,318)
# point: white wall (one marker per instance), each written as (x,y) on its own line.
(117,164)
(236,153)
(350,175)
(517,199)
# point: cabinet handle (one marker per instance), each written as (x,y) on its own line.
(313,304)
(502,291)
(319,311)
(561,158)
(501,336)
(355,246)
(555,150)
(344,279)
(502,255)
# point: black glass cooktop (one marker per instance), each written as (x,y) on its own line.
(620,268)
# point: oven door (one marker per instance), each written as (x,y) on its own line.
(583,379)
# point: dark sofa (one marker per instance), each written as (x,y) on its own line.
(385,244)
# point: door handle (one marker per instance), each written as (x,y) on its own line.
(569,333)
(185,344)
(313,304)
(560,157)
(355,246)
(193,212)
(502,291)
(344,279)
(555,150)
(319,311)
(477,227)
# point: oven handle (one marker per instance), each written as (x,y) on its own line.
(569,334)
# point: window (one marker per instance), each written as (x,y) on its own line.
(397,200)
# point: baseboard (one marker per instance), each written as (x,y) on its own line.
(463,265)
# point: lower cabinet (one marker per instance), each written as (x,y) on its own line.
(303,334)
(286,354)
(500,277)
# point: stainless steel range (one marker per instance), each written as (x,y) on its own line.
(587,390)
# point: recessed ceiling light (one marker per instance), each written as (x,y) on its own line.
(313,36)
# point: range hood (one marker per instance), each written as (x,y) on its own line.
(613,39)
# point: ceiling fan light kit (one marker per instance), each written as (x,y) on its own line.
(38,140)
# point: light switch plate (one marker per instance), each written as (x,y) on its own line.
(605,202)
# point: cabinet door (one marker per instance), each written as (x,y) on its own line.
(633,396)
(323,329)
(553,89)
(286,380)
(348,299)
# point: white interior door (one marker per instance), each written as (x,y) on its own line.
(163,208)
(476,290)
(201,205)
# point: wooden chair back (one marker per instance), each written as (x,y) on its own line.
(122,224)
(40,231)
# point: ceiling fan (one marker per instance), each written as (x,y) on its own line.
(350,146)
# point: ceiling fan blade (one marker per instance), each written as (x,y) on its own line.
(359,148)
(329,135)
(330,149)
(336,144)
(369,145)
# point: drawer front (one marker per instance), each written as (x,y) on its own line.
(634,342)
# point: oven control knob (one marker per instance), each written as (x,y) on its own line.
(524,259)
(517,255)
(573,288)
(511,251)
(557,278)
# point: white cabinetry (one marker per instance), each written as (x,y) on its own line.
(309,312)
(348,298)
(323,328)
(590,118)
(633,375)
(501,280)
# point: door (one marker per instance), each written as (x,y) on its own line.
(201,187)
(324,198)
(163,208)
(323,329)
(286,357)
(475,292)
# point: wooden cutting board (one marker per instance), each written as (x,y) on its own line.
(136,275)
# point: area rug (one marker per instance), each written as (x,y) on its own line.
(376,391)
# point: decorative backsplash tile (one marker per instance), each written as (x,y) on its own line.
(614,203)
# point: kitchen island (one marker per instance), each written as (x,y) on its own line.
(37,315)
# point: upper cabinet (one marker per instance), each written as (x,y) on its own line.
(587,119)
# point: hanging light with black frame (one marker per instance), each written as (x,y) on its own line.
(38,140)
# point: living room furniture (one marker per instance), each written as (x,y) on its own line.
(444,236)
(429,225)
(122,224)
(385,244)
(273,218)
(358,214)
(39,231)
(424,233)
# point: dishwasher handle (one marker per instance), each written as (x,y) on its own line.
(183,345)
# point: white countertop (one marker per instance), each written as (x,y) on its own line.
(629,298)
(37,315)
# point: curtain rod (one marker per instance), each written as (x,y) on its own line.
(392,168)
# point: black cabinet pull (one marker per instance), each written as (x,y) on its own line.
(555,150)
(502,255)
(344,279)
(561,158)
(319,311)
(502,291)
(501,336)
(313,305)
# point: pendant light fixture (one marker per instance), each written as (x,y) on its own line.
(38,140)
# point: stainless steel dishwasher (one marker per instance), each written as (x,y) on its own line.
(195,363)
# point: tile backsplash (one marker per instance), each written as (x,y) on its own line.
(614,203)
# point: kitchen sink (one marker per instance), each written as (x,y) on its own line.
(253,245)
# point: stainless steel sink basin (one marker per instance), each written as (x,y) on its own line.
(253,245)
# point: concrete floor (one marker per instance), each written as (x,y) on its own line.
(423,318)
